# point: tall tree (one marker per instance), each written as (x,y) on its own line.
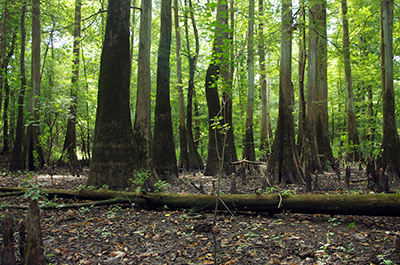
(70,137)
(215,139)
(390,141)
(33,146)
(302,67)
(310,145)
(114,156)
(263,83)
(184,155)
(18,161)
(322,118)
(195,161)
(352,153)
(249,152)
(164,156)
(284,159)
(142,126)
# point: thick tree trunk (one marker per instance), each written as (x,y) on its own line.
(310,146)
(183,147)
(164,156)
(195,161)
(249,152)
(264,145)
(352,153)
(34,148)
(142,125)
(283,162)
(322,118)
(215,137)
(70,136)
(390,141)
(114,157)
(7,252)
(18,161)
(302,67)
(370,204)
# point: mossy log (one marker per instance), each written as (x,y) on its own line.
(349,204)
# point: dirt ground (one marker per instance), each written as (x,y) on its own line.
(127,234)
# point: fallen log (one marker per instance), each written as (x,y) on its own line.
(348,204)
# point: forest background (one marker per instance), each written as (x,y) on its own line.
(69,86)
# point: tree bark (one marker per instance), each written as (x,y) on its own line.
(284,160)
(310,146)
(34,149)
(34,249)
(352,153)
(70,136)
(249,152)
(142,125)
(195,161)
(183,147)
(164,156)
(369,204)
(302,67)
(322,118)
(215,138)
(114,157)
(18,161)
(390,141)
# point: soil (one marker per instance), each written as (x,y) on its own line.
(128,234)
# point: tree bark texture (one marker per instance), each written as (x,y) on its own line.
(183,147)
(164,156)
(114,156)
(34,249)
(310,155)
(249,152)
(33,147)
(70,136)
(7,251)
(322,118)
(142,125)
(352,204)
(195,161)
(18,161)
(215,138)
(352,153)
(284,159)
(390,141)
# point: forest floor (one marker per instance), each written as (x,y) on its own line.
(127,234)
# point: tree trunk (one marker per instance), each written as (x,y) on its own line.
(369,204)
(195,161)
(18,161)
(352,153)
(183,147)
(249,152)
(114,156)
(310,146)
(7,255)
(142,126)
(164,156)
(215,138)
(322,118)
(390,141)
(34,149)
(264,145)
(70,136)
(230,147)
(284,160)
(302,67)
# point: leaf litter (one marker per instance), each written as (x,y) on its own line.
(127,234)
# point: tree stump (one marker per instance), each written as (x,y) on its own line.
(22,235)
(383,184)
(7,252)
(34,243)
